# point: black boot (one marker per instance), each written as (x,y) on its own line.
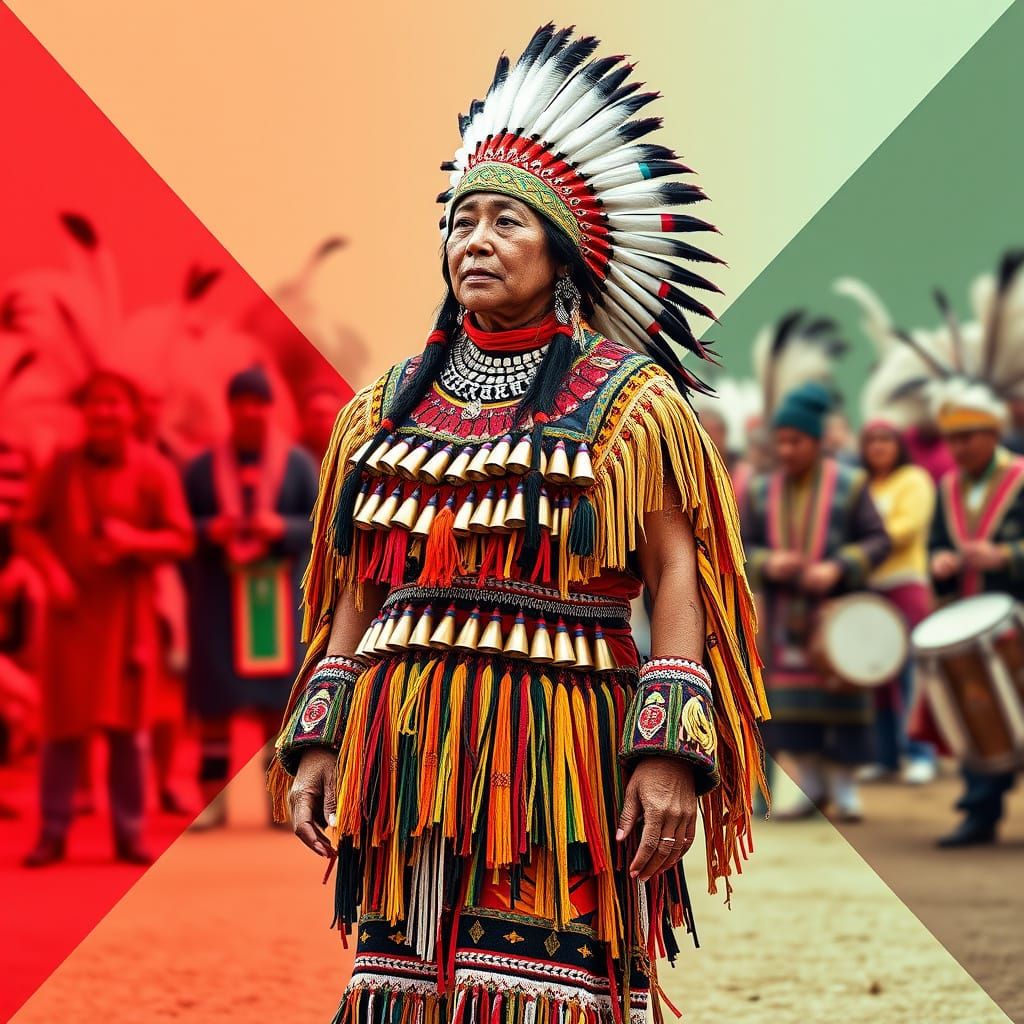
(132,851)
(49,850)
(970,832)
(171,803)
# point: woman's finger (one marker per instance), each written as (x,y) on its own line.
(648,846)
(303,807)
(665,844)
(684,840)
(630,812)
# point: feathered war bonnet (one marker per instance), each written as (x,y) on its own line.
(960,376)
(558,131)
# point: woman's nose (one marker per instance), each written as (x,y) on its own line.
(480,239)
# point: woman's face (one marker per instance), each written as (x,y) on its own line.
(881,451)
(499,262)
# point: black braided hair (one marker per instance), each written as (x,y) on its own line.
(408,396)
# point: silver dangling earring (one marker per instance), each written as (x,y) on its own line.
(460,316)
(567,307)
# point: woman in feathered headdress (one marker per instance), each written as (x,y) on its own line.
(471,734)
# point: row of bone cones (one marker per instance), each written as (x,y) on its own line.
(433,462)
(400,629)
(502,509)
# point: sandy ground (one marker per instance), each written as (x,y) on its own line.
(971,900)
(232,926)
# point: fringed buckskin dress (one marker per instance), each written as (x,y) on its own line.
(484,735)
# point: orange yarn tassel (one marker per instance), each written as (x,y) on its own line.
(441,559)
(499,825)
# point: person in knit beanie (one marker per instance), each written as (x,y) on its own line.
(811,532)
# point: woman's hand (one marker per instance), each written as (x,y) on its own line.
(661,788)
(312,798)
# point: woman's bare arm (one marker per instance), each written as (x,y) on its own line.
(662,787)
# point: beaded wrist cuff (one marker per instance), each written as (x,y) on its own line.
(319,717)
(672,713)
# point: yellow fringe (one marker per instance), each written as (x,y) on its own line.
(648,435)
(651,435)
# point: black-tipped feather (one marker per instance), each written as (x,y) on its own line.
(908,388)
(199,281)
(80,229)
(19,366)
(688,302)
(939,368)
(633,130)
(11,313)
(953,324)
(1009,265)
(597,69)
(537,45)
(575,54)
(498,80)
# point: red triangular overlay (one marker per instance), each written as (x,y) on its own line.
(61,153)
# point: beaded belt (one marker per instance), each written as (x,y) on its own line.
(514,595)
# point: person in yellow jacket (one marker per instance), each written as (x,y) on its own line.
(904,495)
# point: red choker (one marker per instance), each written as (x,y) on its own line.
(521,339)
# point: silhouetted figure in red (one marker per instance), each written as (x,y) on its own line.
(101,518)
(250,499)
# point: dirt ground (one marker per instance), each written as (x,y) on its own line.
(232,926)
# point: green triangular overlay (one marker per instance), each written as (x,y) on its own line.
(935,205)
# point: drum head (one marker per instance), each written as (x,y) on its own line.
(961,621)
(865,640)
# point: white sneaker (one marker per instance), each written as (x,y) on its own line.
(872,773)
(920,773)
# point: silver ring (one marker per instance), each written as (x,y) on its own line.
(668,839)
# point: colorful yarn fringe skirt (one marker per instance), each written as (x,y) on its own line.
(478,797)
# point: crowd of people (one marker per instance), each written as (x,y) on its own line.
(143,597)
(923,508)
(149,592)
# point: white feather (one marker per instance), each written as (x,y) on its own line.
(576,86)
(802,359)
(634,199)
(623,156)
(632,283)
(627,174)
(635,222)
(628,302)
(586,107)
(538,88)
(606,143)
(877,324)
(640,242)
